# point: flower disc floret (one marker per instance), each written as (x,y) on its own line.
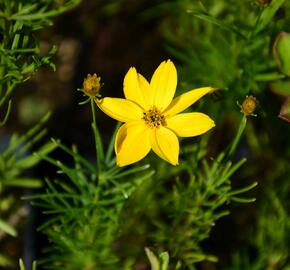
(154,118)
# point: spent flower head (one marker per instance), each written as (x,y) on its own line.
(152,117)
(92,85)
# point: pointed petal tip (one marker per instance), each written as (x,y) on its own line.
(167,62)
(175,163)
(132,69)
(212,123)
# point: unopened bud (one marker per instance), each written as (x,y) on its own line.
(92,85)
(249,105)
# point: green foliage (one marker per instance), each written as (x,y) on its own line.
(94,209)
(14,160)
(191,198)
(22,267)
(270,237)
(85,205)
(281,52)
(160,263)
(267,14)
(21,57)
(20,52)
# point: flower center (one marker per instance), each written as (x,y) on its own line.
(153,118)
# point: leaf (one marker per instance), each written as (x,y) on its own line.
(4,226)
(161,263)
(5,261)
(218,22)
(281,88)
(33,159)
(6,203)
(264,77)
(3,122)
(21,264)
(164,259)
(243,190)
(34,264)
(154,262)
(281,50)
(23,182)
(268,14)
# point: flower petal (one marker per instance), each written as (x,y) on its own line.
(136,88)
(123,110)
(185,100)
(190,124)
(163,85)
(165,144)
(132,142)
(145,87)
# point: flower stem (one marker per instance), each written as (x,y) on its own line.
(98,141)
(236,141)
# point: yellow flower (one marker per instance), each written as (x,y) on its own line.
(151,115)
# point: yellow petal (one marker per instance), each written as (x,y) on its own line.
(163,85)
(123,110)
(190,124)
(132,142)
(185,100)
(165,144)
(145,87)
(135,88)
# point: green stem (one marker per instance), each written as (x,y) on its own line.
(8,93)
(98,142)
(3,122)
(236,141)
(46,14)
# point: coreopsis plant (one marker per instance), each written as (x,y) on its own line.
(152,117)
(96,207)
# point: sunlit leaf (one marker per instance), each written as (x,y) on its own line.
(268,14)
(4,226)
(281,51)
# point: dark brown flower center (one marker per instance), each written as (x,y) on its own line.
(153,118)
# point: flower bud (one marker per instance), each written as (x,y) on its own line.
(249,105)
(92,85)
